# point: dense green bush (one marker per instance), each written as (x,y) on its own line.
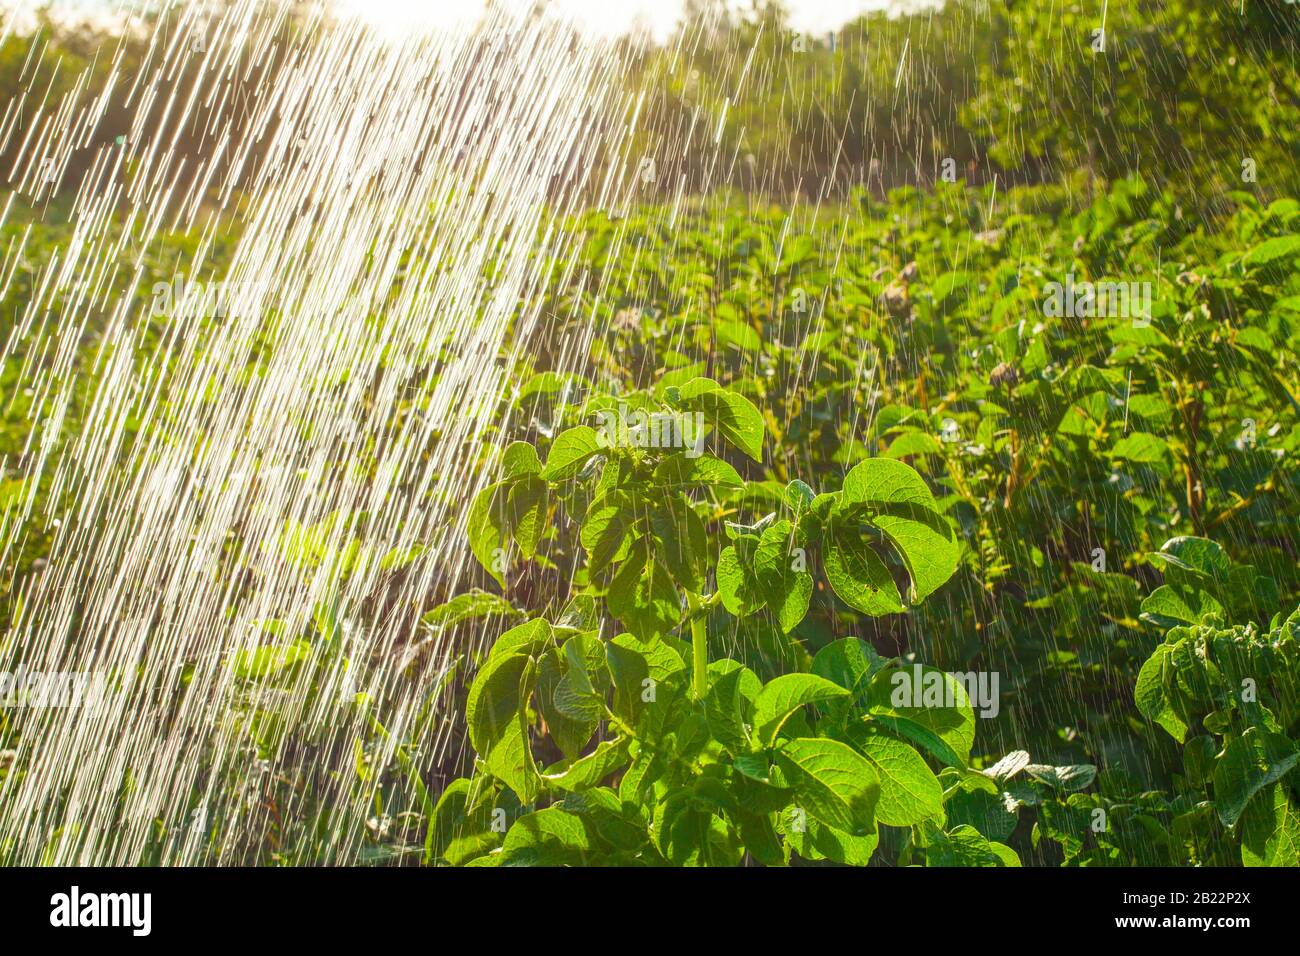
(649,759)
(1064,450)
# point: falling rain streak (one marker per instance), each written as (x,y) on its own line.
(396,209)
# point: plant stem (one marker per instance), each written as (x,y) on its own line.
(1195,490)
(699,646)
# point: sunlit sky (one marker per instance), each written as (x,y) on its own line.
(602,17)
(605,17)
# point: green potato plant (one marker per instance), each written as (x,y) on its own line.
(1229,694)
(609,736)
(898,440)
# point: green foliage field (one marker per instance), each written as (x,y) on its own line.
(977,486)
(1100,511)
(857,454)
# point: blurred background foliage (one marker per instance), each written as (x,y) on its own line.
(1181,92)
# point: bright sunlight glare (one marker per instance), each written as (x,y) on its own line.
(601,17)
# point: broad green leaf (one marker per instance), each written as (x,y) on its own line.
(731,413)
(913,442)
(494,709)
(909,790)
(473,604)
(508,755)
(647,767)
(1277,249)
(1270,828)
(636,666)
(842,847)
(760,839)
(527,510)
(739,590)
(660,661)
(1141,447)
(616,823)
(486,528)
(814,840)
(849,662)
(564,700)
(726,708)
(1247,765)
(400,557)
(786,591)
(1006,856)
(966,846)
(493,701)
(527,638)
(795,250)
(269,661)
(925,542)
(570,451)
(858,576)
(643,596)
(519,459)
(587,772)
(550,837)
(1149,694)
(688,835)
(922,736)
(584,657)
(832,782)
(885,481)
(799,496)
(605,530)
(899,503)
(949,289)
(548,383)
(895,693)
(1200,556)
(580,613)
(679,470)
(1168,606)
(460,833)
(754,766)
(681,542)
(739,334)
(784,695)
